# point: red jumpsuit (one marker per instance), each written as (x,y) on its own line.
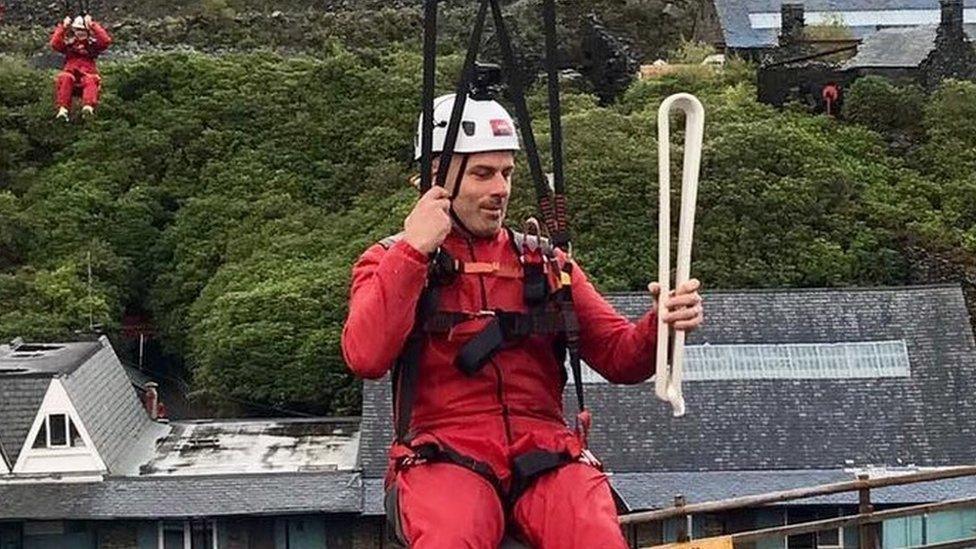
(79,70)
(511,406)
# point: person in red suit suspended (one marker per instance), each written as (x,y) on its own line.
(81,41)
(452,479)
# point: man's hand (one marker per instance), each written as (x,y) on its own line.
(430,221)
(684,306)
(88,21)
(67,21)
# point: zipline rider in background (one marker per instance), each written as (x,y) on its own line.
(468,313)
(81,41)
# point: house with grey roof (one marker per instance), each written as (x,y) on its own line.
(912,48)
(784,389)
(924,55)
(85,464)
(748,27)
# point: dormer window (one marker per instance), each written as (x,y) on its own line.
(58,431)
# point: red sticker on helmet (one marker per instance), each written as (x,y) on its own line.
(500,127)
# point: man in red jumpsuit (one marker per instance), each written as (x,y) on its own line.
(511,407)
(81,41)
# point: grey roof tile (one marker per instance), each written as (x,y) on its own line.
(20,398)
(26,359)
(928,419)
(177,497)
(899,47)
(25,374)
(108,406)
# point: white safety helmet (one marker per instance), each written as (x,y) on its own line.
(485,126)
(79,23)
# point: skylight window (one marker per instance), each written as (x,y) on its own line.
(861,18)
(847,360)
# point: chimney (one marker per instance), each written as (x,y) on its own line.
(951,17)
(152,400)
(791,24)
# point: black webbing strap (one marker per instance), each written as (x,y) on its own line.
(473,355)
(441,453)
(571,324)
(502,328)
(460,99)
(516,93)
(406,370)
(529,466)
(545,321)
(560,236)
(427,100)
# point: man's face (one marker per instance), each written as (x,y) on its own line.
(80,34)
(485,189)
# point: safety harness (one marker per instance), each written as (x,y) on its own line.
(547,294)
(547,284)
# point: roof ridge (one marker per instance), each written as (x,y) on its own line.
(827,289)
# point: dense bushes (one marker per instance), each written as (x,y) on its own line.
(228,196)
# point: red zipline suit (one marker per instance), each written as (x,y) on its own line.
(511,406)
(79,70)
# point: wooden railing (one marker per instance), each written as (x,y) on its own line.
(866,519)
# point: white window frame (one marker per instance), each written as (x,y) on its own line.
(67,431)
(57,459)
(187,533)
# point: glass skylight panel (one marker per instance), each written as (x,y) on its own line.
(847,360)
(861,18)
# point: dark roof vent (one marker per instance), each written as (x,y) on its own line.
(200,443)
(792,24)
(19,349)
(36,348)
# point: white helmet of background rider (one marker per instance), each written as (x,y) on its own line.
(485,126)
(79,23)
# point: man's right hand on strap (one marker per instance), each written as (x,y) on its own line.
(430,221)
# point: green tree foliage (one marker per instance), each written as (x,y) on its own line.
(893,111)
(229,196)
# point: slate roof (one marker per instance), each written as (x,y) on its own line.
(121,429)
(98,387)
(898,47)
(177,497)
(20,397)
(273,445)
(928,419)
(25,373)
(738,31)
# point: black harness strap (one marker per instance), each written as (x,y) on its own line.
(513,325)
(460,99)
(529,466)
(571,325)
(517,96)
(406,372)
(440,453)
(427,106)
